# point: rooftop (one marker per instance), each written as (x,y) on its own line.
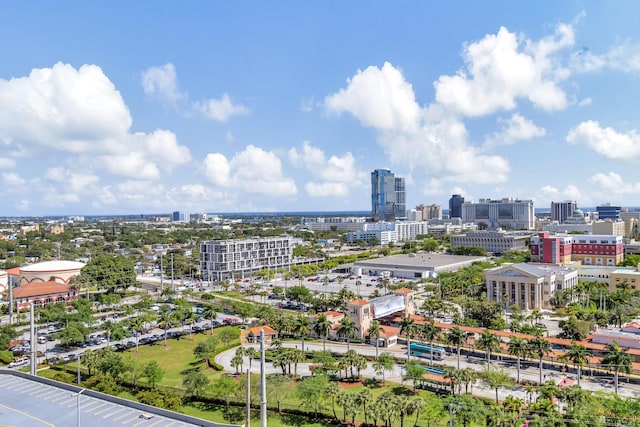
(36,289)
(423,260)
(52,266)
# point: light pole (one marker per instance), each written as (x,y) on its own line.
(78,407)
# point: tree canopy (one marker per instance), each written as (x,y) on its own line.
(108,272)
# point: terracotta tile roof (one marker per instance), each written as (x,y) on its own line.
(331,314)
(403,291)
(359,301)
(39,289)
(14,271)
(268,330)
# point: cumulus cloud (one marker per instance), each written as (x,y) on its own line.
(252,170)
(338,174)
(80,112)
(612,183)
(162,82)
(220,109)
(516,128)
(547,194)
(624,57)
(426,139)
(606,141)
(503,67)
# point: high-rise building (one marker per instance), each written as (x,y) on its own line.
(607,211)
(388,196)
(430,212)
(455,206)
(560,211)
(507,213)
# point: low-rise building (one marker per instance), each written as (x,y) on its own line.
(528,286)
(415,266)
(492,241)
(588,249)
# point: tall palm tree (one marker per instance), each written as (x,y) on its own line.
(540,348)
(363,398)
(135,323)
(430,332)
(347,329)
(408,328)
(321,328)
(167,321)
(456,337)
(209,312)
(374,331)
(302,328)
(518,348)
(617,359)
(578,355)
(489,343)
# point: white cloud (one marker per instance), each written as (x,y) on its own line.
(326,189)
(585,102)
(624,57)
(429,139)
(503,67)
(338,174)
(516,128)
(606,141)
(6,163)
(162,146)
(612,183)
(220,109)
(252,170)
(13,180)
(379,98)
(550,192)
(162,82)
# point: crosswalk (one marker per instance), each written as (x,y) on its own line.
(51,404)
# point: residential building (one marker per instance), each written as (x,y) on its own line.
(589,249)
(608,211)
(507,213)
(229,259)
(560,211)
(609,227)
(455,206)
(414,215)
(341,223)
(389,232)
(492,241)
(388,196)
(528,286)
(430,212)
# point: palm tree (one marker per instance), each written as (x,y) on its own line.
(514,405)
(321,328)
(488,342)
(347,329)
(496,378)
(430,333)
(418,405)
(617,359)
(363,398)
(209,312)
(374,331)
(409,328)
(167,320)
(456,337)
(333,391)
(135,323)
(578,355)
(302,328)
(540,348)
(518,348)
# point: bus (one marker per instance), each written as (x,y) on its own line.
(425,351)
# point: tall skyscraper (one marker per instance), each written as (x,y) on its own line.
(388,196)
(455,206)
(560,211)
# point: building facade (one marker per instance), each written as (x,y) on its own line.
(430,212)
(388,196)
(455,206)
(491,241)
(560,211)
(608,211)
(229,259)
(507,213)
(528,286)
(588,249)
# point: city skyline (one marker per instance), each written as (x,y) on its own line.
(285,107)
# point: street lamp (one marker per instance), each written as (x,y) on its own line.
(78,407)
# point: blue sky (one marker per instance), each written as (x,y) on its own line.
(148,107)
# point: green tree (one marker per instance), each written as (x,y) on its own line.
(456,337)
(204,348)
(347,329)
(153,373)
(518,348)
(578,355)
(540,348)
(321,328)
(489,343)
(195,383)
(374,331)
(384,363)
(278,388)
(430,332)
(109,272)
(311,392)
(617,359)
(333,391)
(409,329)
(162,398)
(224,387)
(496,378)
(414,372)
(302,328)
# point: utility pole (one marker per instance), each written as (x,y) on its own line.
(263,384)
(161,274)
(172,286)
(247,422)
(32,341)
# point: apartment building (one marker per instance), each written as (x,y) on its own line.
(588,249)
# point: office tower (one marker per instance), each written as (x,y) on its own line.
(175,216)
(388,196)
(607,211)
(560,211)
(507,213)
(455,206)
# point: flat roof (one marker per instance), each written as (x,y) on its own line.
(34,401)
(433,261)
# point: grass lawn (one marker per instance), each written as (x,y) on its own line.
(217,414)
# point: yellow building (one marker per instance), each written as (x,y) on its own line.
(608,227)
(624,275)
